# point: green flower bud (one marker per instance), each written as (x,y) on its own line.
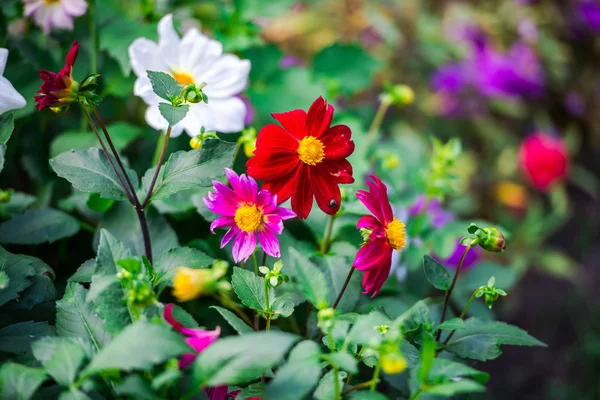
(491,239)
(402,95)
(5,196)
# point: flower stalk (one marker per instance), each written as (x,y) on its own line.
(327,236)
(157,169)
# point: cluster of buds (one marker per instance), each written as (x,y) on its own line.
(197,141)
(136,282)
(274,276)
(248,141)
(398,95)
(190,283)
(491,239)
(490,293)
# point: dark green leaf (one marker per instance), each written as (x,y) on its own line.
(415,317)
(481,340)
(90,171)
(436,274)
(168,261)
(326,388)
(336,267)
(38,226)
(73,394)
(450,389)
(19,202)
(61,358)
(255,390)
(164,85)
(140,346)
(311,281)
(134,386)
(84,272)
(77,318)
(343,361)
(19,381)
(173,114)
(18,268)
(236,323)
(7,125)
(250,289)
(450,370)
(237,359)
(17,338)
(451,324)
(363,395)
(192,169)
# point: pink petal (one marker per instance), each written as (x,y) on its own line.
(229,235)
(200,339)
(168,316)
(373,254)
(268,241)
(221,222)
(273,222)
(243,246)
(284,213)
(218,393)
(186,360)
(374,279)
(367,221)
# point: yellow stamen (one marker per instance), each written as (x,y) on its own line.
(183,78)
(396,234)
(50,2)
(189,283)
(311,150)
(248,218)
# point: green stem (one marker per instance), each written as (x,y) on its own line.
(157,169)
(255,263)
(451,288)
(462,315)
(327,236)
(416,395)
(267,296)
(157,151)
(377,121)
(336,381)
(357,387)
(94,36)
(375,378)
(346,282)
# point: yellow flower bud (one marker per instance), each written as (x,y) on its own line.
(393,363)
(196,142)
(189,283)
(249,148)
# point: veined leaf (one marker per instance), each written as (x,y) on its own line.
(251,289)
(20,382)
(173,114)
(38,226)
(164,85)
(436,274)
(169,260)
(236,323)
(311,281)
(17,338)
(61,358)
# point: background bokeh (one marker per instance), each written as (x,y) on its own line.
(486,73)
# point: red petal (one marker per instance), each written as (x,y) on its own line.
(338,170)
(373,254)
(326,190)
(376,200)
(374,279)
(72,55)
(302,194)
(368,221)
(273,138)
(319,117)
(283,187)
(271,166)
(293,121)
(337,142)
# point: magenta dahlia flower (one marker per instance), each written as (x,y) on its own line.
(248,213)
(383,234)
(197,339)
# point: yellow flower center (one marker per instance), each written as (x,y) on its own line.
(311,150)
(395,234)
(189,283)
(248,218)
(50,2)
(183,78)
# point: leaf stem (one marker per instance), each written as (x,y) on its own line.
(94,36)
(462,315)
(327,236)
(255,261)
(375,378)
(377,121)
(157,169)
(361,385)
(346,282)
(451,288)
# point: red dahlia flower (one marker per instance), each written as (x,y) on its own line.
(384,234)
(304,157)
(544,160)
(59,89)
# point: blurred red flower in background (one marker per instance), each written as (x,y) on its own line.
(544,160)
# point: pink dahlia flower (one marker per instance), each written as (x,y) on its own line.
(383,234)
(197,339)
(248,213)
(54,13)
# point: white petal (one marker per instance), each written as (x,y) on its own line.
(145,55)
(32,5)
(168,41)
(227,77)
(60,19)
(43,18)
(76,8)
(221,115)
(198,52)
(10,99)
(143,89)
(3,58)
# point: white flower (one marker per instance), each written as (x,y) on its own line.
(10,99)
(57,13)
(192,59)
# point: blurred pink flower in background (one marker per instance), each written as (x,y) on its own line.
(54,13)
(544,160)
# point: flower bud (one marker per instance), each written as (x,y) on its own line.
(402,95)
(494,241)
(196,142)
(189,283)
(393,363)
(5,196)
(325,317)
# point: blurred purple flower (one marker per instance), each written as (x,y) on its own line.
(574,104)
(290,61)
(471,258)
(250,112)
(589,12)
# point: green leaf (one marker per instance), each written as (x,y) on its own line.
(40,291)
(164,85)
(19,381)
(77,318)
(451,324)
(7,125)
(347,67)
(450,389)
(135,387)
(363,330)
(18,203)
(105,291)
(90,171)
(61,358)
(237,359)
(2,156)
(38,226)
(436,274)
(363,395)
(17,338)
(336,267)
(173,114)
(84,272)
(343,361)
(192,169)
(481,340)
(121,133)
(415,317)
(250,289)
(450,370)
(73,394)
(326,388)
(255,390)
(236,323)
(167,262)
(310,279)
(299,375)
(140,346)
(18,268)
